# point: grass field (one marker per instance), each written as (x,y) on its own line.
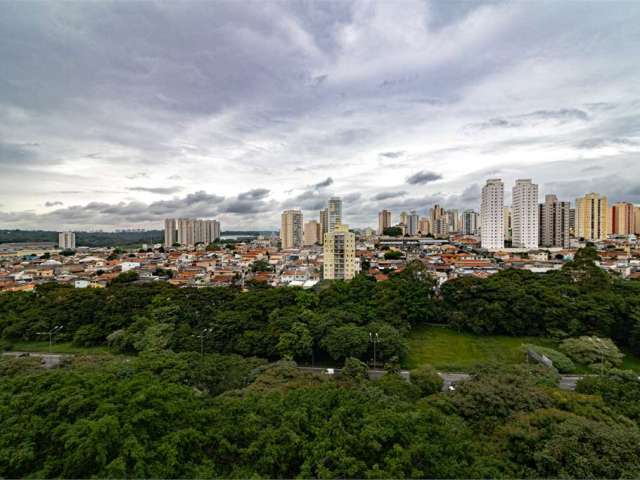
(65,347)
(449,350)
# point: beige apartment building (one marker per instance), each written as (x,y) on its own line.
(623,218)
(592,217)
(340,254)
(291,230)
(312,232)
(384,221)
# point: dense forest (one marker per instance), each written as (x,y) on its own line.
(334,321)
(85,239)
(168,415)
(164,410)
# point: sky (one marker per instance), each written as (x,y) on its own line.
(120,114)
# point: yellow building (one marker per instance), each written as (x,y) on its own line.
(340,254)
(622,218)
(291,230)
(592,217)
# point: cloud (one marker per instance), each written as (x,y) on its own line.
(422,177)
(392,154)
(388,195)
(255,194)
(156,190)
(325,183)
(53,204)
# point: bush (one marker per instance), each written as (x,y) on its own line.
(593,351)
(561,362)
(354,369)
(88,336)
(5,346)
(426,378)
(394,385)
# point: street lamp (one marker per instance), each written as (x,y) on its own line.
(373,337)
(51,333)
(202,335)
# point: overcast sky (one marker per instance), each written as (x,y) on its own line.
(116,115)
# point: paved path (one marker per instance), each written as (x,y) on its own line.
(48,360)
(567,382)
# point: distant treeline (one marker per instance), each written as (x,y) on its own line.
(84,239)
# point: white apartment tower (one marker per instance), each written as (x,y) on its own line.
(525,227)
(169,232)
(334,212)
(470,222)
(67,240)
(412,225)
(339,254)
(291,231)
(492,215)
(311,232)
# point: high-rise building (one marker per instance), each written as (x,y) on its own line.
(324,223)
(335,212)
(470,222)
(169,232)
(492,215)
(339,254)
(507,223)
(291,231)
(190,231)
(424,226)
(637,220)
(554,222)
(311,232)
(440,227)
(404,218)
(384,221)
(453,219)
(67,240)
(623,218)
(572,222)
(412,226)
(592,217)
(524,223)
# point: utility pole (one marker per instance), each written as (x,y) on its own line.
(202,335)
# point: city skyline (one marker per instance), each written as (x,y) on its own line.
(238,114)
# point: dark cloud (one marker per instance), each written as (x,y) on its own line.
(392,154)
(19,153)
(591,143)
(388,195)
(255,194)
(325,183)
(422,177)
(557,117)
(156,190)
(53,204)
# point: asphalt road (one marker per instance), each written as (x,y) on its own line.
(567,382)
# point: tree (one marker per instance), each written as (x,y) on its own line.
(426,378)
(297,343)
(126,277)
(355,370)
(593,351)
(393,255)
(392,231)
(346,341)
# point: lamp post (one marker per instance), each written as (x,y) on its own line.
(202,335)
(373,337)
(51,333)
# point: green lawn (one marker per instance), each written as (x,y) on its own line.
(453,351)
(65,347)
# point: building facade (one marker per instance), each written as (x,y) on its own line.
(311,232)
(525,229)
(623,219)
(67,240)
(555,221)
(384,221)
(335,213)
(340,254)
(492,215)
(470,223)
(592,214)
(291,230)
(324,223)
(170,236)
(412,225)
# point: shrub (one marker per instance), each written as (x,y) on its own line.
(426,378)
(354,369)
(561,362)
(593,351)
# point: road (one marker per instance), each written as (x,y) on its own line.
(48,360)
(567,382)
